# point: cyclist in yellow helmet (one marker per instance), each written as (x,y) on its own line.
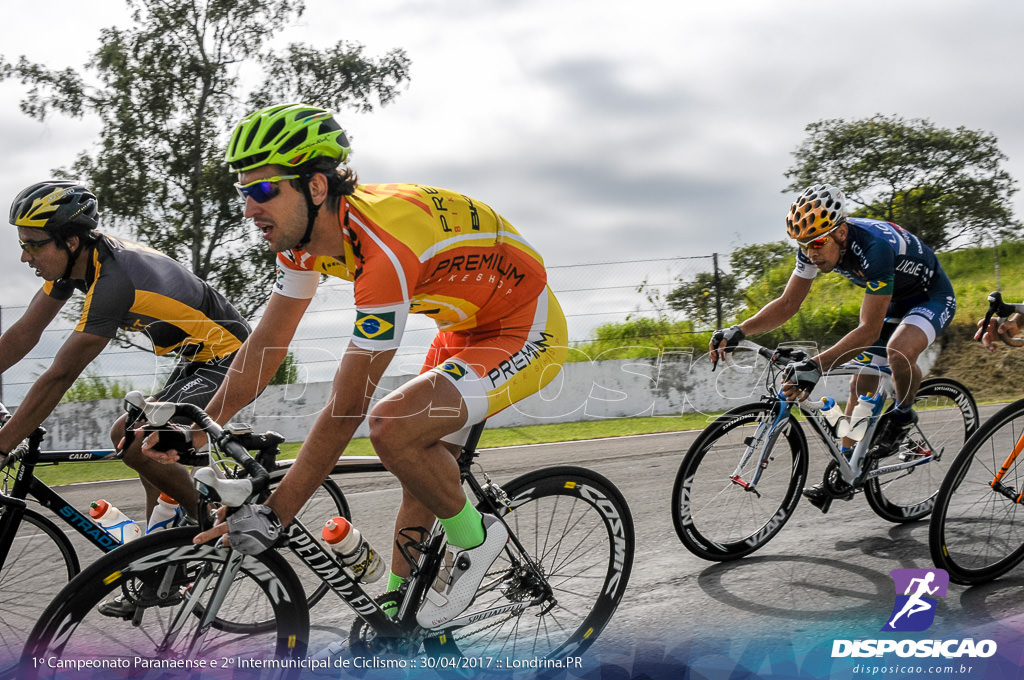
(126,286)
(408,249)
(908,302)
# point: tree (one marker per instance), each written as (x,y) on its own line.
(699,299)
(167,91)
(946,186)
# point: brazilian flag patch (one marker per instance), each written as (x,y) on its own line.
(863,358)
(375,326)
(453,369)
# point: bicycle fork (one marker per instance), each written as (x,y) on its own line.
(760,443)
(997,482)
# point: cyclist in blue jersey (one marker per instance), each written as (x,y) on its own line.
(908,302)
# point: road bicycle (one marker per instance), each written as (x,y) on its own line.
(977,528)
(36,556)
(548,595)
(741,479)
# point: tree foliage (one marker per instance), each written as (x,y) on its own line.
(700,298)
(168,90)
(946,186)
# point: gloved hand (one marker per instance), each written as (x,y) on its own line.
(730,336)
(804,375)
(177,438)
(253,529)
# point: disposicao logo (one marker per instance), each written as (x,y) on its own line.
(914,611)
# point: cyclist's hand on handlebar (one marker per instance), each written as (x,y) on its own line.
(173,443)
(799,378)
(722,341)
(251,529)
(997,331)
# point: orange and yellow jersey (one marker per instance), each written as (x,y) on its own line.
(412,249)
(139,289)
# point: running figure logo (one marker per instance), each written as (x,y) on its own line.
(914,610)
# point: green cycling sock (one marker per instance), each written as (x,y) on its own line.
(394,583)
(466,529)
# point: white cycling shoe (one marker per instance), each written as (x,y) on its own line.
(460,576)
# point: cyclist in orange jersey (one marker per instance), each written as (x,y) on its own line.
(408,249)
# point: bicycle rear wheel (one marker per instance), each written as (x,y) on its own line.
(576,527)
(977,531)
(720,519)
(40,562)
(947,416)
(168,629)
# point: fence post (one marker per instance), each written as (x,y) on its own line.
(718,291)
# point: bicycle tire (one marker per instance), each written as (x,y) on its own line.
(72,629)
(326,502)
(947,416)
(718,519)
(40,562)
(976,533)
(578,528)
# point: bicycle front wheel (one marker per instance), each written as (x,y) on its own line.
(977,528)
(173,583)
(575,526)
(40,562)
(947,416)
(717,514)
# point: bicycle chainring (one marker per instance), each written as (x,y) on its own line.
(363,640)
(833,481)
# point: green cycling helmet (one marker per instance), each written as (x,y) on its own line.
(288,135)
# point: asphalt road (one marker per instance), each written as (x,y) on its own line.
(823,577)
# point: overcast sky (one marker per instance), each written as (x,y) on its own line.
(602,130)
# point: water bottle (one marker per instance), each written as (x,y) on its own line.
(114,522)
(164,515)
(861,415)
(352,550)
(834,416)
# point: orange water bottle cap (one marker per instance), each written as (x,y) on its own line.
(98,508)
(335,529)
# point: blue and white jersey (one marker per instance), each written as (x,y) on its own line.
(884,259)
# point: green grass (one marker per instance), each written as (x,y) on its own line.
(68,473)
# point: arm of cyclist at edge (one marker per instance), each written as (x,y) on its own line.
(1008,329)
(74,355)
(23,335)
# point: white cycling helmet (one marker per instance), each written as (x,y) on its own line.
(817,211)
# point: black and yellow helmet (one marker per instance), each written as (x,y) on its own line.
(289,135)
(53,204)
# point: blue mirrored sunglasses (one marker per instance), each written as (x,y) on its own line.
(262,190)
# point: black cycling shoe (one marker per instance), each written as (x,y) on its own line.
(894,427)
(822,498)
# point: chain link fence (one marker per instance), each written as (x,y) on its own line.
(591,294)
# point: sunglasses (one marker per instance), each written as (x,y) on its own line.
(262,190)
(818,243)
(34,246)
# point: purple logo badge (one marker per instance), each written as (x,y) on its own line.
(916,593)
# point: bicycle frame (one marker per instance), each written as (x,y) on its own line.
(322,562)
(27,485)
(851,471)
